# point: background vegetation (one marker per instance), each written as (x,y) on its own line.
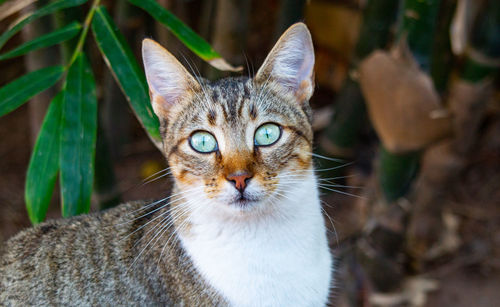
(407,96)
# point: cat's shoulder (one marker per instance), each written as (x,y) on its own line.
(27,241)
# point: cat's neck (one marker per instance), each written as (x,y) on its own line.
(268,261)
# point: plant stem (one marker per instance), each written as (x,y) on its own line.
(85,30)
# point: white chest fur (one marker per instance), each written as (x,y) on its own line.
(278,261)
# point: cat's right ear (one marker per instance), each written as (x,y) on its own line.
(169,82)
(291,63)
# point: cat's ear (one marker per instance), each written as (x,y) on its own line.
(291,62)
(169,82)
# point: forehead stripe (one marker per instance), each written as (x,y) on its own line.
(253,111)
(212,117)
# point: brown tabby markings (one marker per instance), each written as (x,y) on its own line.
(212,117)
(66,262)
(229,97)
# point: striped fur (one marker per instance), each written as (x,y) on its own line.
(89,261)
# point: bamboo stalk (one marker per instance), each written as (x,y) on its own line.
(482,64)
(382,246)
(444,162)
(442,56)
(398,172)
(483,55)
(417,25)
(291,11)
(350,112)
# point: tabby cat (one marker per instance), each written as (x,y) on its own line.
(243,225)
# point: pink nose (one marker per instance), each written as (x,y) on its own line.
(240,180)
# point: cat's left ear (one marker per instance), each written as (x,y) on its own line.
(291,63)
(169,82)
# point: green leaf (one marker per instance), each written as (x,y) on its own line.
(22,89)
(126,70)
(44,164)
(46,10)
(43,41)
(185,34)
(78,138)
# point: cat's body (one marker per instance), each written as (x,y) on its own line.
(89,261)
(243,226)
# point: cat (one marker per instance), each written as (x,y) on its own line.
(243,225)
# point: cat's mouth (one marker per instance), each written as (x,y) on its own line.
(245,201)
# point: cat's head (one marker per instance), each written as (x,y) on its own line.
(237,144)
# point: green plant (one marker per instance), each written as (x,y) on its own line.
(66,143)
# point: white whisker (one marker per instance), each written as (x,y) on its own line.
(327,158)
(345,193)
(156,178)
(158,172)
(333,226)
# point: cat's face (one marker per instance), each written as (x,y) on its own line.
(239,143)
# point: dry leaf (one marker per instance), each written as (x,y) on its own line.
(223,65)
(401,101)
(12,7)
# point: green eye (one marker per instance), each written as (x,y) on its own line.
(203,142)
(267,134)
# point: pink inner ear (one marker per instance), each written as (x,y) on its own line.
(305,72)
(168,80)
(165,79)
(291,62)
(293,67)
